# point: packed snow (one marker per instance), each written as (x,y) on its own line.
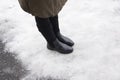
(94,26)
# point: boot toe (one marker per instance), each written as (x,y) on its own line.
(65,39)
(65,49)
(68,41)
(60,47)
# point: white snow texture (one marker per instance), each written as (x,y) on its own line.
(94,26)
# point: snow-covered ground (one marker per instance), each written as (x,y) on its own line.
(94,25)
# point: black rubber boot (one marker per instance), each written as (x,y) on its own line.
(55,25)
(60,47)
(45,27)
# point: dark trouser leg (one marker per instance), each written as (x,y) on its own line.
(45,27)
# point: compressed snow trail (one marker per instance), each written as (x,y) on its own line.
(94,25)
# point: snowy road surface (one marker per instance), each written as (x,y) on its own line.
(94,25)
(10,67)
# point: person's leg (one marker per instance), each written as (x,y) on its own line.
(55,24)
(45,27)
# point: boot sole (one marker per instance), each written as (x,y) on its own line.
(50,48)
